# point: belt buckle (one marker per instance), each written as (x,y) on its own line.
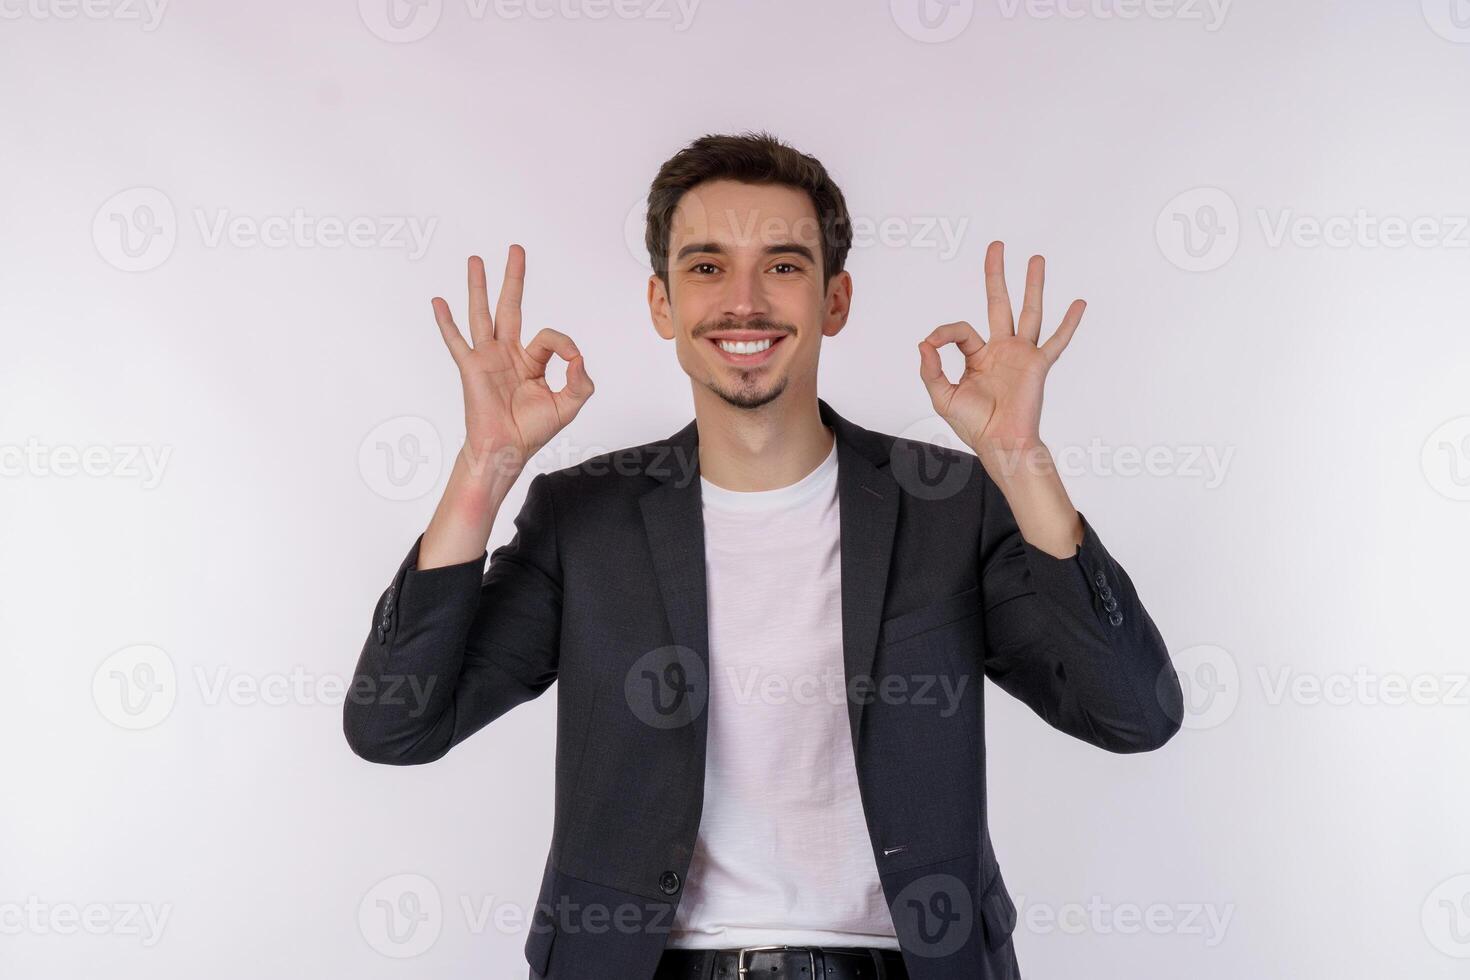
(741,969)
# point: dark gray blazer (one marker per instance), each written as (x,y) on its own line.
(603,588)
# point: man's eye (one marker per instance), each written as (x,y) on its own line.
(787,266)
(701,267)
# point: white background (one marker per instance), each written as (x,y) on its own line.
(1326,832)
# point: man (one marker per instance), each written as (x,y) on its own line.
(771,628)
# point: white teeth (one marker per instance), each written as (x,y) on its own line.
(744,346)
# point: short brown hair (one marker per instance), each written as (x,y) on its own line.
(751,158)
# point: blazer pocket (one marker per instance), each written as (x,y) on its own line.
(998,913)
(932,616)
(538,943)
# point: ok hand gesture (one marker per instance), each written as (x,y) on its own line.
(996,404)
(510,411)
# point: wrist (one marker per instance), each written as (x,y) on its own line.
(488,470)
(1016,459)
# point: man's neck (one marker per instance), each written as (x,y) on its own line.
(749,449)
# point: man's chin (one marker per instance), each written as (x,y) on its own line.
(750,396)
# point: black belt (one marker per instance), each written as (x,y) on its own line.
(782,963)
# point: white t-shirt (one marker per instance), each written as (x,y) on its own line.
(783,854)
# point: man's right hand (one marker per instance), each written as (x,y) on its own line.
(510,411)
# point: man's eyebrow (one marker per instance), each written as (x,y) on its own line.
(715,248)
(794,248)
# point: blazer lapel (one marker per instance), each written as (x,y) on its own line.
(867,502)
(867,497)
(673,521)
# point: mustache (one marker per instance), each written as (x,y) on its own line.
(759,323)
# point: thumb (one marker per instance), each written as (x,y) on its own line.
(578,388)
(931,372)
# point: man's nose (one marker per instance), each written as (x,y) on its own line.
(745,295)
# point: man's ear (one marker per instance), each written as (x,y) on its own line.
(658,308)
(839,304)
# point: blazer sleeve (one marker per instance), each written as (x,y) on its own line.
(453,648)
(1071,639)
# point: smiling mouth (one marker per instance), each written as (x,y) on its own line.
(746,351)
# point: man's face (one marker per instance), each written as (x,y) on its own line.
(745,303)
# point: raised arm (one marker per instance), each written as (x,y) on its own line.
(452,645)
(1066,632)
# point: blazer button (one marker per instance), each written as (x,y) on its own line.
(1110,604)
(1099,578)
(1105,592)
(668,882)
(1115,618)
